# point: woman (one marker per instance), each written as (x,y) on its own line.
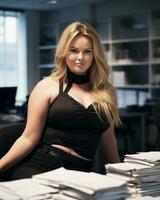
(69,112)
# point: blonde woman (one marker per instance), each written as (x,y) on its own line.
(69,112)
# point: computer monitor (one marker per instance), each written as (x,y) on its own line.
(7,98)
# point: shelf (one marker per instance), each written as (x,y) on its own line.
(44,47)
(130,26)
(50,66)
(130,76)
(131,96)
(155,38)
(48,36)
(46,56)
(128,62)
(155,92)
(155,74)
(155,87)
(103,29)
(155,61)
(135,51)
(155,23)
(130,40)
(135,87)
(156,49)
(131,46)
(106,42)
(107,52)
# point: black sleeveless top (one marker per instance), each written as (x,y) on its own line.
(72,125)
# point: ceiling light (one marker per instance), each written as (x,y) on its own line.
(52,1)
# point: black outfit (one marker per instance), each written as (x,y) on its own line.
(69,124)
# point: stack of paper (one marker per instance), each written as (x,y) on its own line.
(144,198)
(25,189)
(151,158)
(141,171)
(83,185)
(5,194)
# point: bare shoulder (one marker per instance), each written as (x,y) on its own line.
(47,88)
(47,82)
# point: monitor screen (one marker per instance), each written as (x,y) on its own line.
(7,98)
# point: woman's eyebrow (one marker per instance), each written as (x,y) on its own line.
(88,48)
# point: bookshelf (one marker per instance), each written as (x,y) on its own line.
(132,48)
(155,53)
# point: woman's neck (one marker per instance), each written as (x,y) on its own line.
(78,79)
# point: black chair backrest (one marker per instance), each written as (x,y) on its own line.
(8,136)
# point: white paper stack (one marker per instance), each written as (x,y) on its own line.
(7,194)
(83,185)
(151,158)
(141,171)
(26,189)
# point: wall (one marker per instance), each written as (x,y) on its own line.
(32,43)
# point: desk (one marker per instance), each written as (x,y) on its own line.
(138,118)
(9,119)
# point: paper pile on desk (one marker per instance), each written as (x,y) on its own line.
(141,171)
(26,189)
(151,158)
(83,185)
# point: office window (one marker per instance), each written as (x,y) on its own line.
(13,70)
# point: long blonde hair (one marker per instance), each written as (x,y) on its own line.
(102,90)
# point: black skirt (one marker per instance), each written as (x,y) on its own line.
(46,158)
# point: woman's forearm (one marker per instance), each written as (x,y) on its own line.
(19,150)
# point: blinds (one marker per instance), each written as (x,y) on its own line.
(12,52)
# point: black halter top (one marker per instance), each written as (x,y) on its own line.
(72,125)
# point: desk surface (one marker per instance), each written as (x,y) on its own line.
(9,119)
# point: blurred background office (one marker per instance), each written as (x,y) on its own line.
(130,33)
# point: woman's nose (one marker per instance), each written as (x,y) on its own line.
(80,56)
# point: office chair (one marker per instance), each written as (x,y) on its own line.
(8,135)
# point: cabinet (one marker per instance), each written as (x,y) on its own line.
(132,48)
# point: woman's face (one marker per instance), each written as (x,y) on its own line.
(80,55)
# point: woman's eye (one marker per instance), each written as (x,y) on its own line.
(88,51)
(73,50)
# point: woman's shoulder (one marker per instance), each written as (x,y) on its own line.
(47,87)
(48,82)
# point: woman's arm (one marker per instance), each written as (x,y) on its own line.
(37,113)
(109,146)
